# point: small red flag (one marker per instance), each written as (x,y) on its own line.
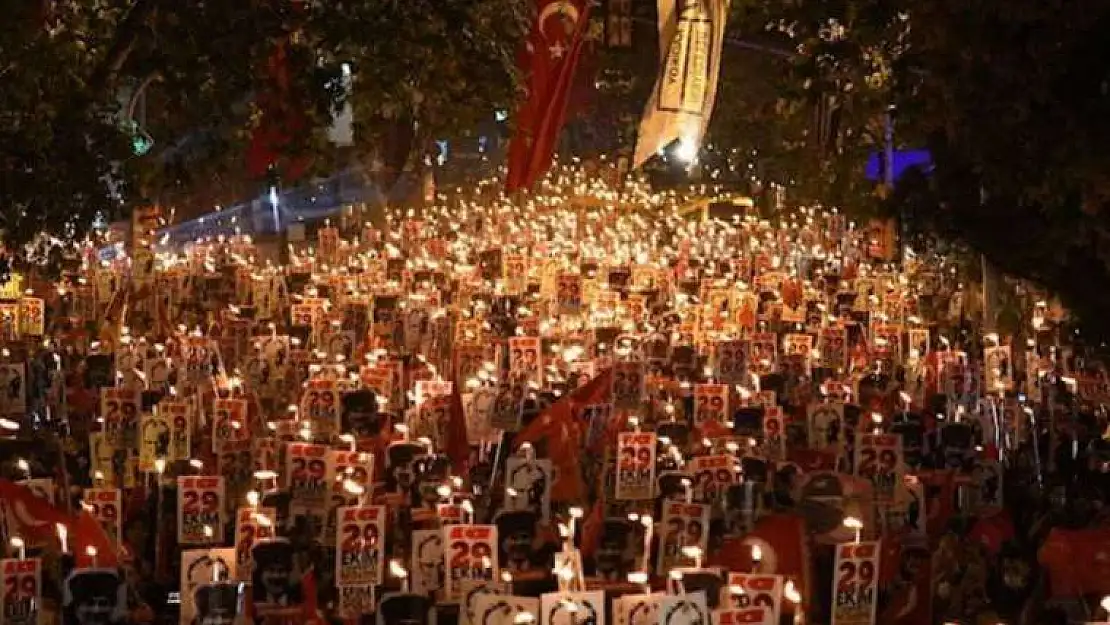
(563,432)
(550,57)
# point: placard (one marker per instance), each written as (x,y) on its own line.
(762,593)
(308,475)
(354,466)
(826,424)
(713,475)
(879,459)
(572,608)
(426,566)
(199,567)
(21,600)
(32,316)
(321,403)
(684,525)
(119,407)
(154,442)
(106,506)
(637,609)
(855,584)
(685,609)
(532,480)
(492,609)
(13,388)
(180,417)
(526,360)
(356,601)
(729,361)
(628,384)
(774,434)
(568,295)
(710,403)
(470,554)
(251,525)
(229,423)
(360,542)
(635,466)
(199,506)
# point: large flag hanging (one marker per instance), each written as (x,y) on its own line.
(691,33)
(550,57)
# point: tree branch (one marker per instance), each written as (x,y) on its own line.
(126,36)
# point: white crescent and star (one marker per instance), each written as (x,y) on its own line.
(568,12)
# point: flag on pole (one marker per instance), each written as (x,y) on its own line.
(691,33)
(549,59)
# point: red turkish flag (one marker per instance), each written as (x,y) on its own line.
(1078,561)
(551,55)
(36,520)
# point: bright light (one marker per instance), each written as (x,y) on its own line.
(687,150)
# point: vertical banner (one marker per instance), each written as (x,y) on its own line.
(21,590)
(251,525)
(200,518)
(470,554)
(635,466)
(855,584)
(360,539)
(106,506)
(690,38)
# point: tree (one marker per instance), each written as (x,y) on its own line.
(210,74)
(1011,99)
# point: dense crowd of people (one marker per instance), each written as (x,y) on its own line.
(591,404)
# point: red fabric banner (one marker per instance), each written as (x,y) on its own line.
(550,58)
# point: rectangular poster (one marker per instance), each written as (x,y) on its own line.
(360,543)
(308,475)
(879,459)
(761,592)
(635,466)
(200,517)
(711,404)
(684,525)
(251,525)
(21,596)
(470,554)
(106,506)
(855,584)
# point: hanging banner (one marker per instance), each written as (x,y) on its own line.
(200,519)
(690,39)
(360,538)
(105,505)
(21,589)
(635,466)
(855,584)
(470,554)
